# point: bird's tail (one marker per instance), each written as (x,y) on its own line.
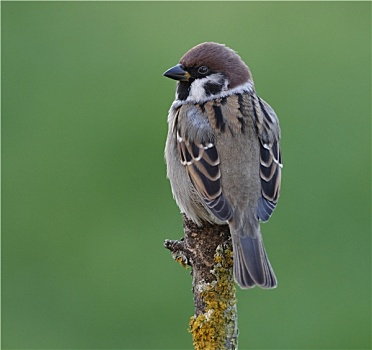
(251,265)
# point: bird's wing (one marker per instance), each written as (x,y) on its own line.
(200,157)
(268,130)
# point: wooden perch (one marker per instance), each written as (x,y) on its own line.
(208,250)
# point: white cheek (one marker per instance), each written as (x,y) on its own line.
(197,88)
(197,91)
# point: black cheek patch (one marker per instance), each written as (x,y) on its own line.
(212,88)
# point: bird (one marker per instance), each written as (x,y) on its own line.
(223,154)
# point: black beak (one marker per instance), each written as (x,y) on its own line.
(177,73)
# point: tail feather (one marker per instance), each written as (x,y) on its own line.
(241,274)
(251,265)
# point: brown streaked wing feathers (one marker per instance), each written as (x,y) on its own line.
(204,172)
(268,131)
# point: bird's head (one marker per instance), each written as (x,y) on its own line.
(210,70)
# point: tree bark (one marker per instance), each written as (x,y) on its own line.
(208,250)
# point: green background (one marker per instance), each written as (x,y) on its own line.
(86,204)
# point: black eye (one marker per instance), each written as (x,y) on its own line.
(203,70)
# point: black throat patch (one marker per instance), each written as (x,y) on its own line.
(183,90)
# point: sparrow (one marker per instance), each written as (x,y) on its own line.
(223,154)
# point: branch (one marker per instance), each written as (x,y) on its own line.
(208,250)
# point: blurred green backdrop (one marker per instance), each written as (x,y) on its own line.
(86,205)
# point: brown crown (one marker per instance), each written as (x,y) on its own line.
(218,58)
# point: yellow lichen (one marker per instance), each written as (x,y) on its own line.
(181,261)
(210,329)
